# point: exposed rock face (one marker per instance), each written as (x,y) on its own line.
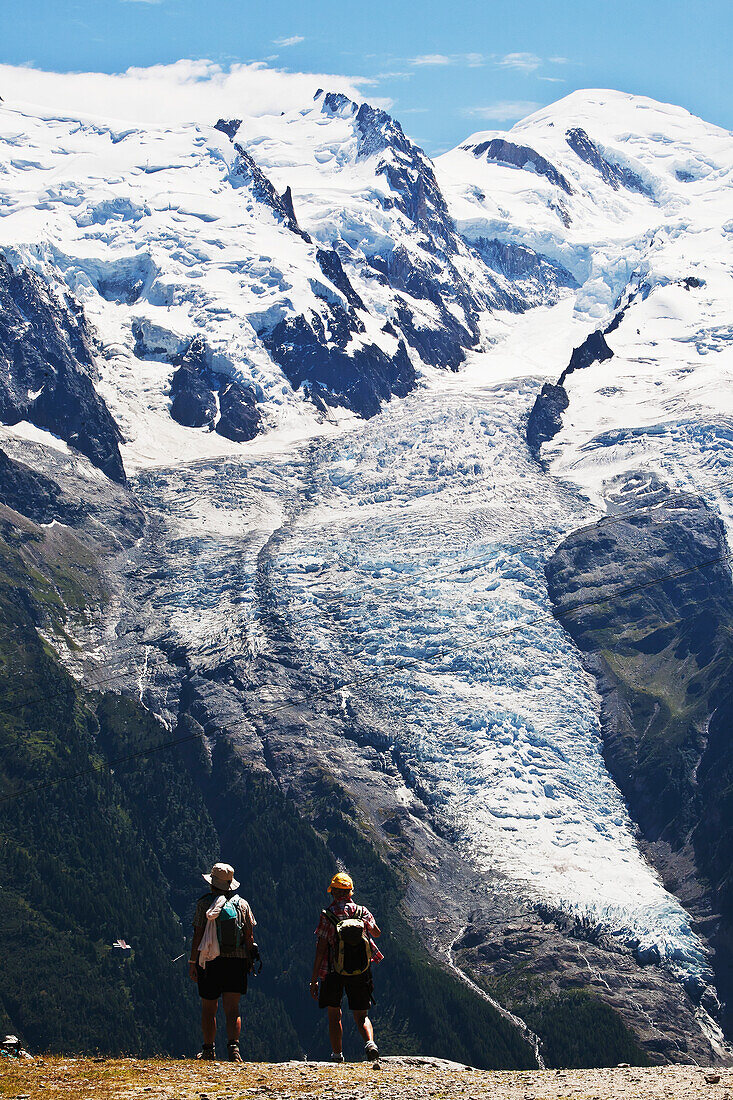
(34,494)
(360,381)
(594,349)
(615,175)
(229,126)
(533,279)
(661,658)
(247,173)
(541,964)
(194,390)
(332,268)
(240,418)
(545,419)
(520,156)
(43,484)
(193,403)
(47,369)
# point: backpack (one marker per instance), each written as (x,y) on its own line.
(230,925)
(353,952)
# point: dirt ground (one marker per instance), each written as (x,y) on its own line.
(403,1078)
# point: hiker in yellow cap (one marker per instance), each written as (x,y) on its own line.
(345,951)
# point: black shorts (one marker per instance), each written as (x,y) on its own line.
(222,975)
(358,991)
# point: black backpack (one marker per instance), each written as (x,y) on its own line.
(353,952)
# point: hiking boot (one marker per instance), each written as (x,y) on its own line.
(233,1052)
(206,1054)
(372,1051)
(337,1057)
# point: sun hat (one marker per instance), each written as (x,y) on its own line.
(222,878)
(341,881)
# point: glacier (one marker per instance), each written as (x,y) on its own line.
(407,551)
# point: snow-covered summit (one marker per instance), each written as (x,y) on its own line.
(322,263)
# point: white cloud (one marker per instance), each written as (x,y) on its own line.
(559,60)
(292,41)
(472,60)
(187,91)
(525,62)
(504,110)
(431,59)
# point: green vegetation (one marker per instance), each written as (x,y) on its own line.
(578,1030)
(80,861)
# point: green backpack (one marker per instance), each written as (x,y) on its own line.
(353,951)
(230,925)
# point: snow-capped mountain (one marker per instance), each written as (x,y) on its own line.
(632,198)
(362,399)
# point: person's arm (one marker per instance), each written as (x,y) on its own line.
(371,925)
(321,947)
(198,934)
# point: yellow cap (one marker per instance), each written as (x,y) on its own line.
(341,882)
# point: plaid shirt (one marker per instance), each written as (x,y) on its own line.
(326,931)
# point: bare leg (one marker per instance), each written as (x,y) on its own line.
(364,1026)
(231,1011)
(208,1020)
(335,1030)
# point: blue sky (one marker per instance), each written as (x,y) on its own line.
(450,66)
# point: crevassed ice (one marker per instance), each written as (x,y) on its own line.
(429,535)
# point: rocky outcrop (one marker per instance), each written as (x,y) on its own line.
(35,495)
(203,398)
(519,156)
(332,268)
(193,402)
(594,349)
(660,653)
(239,418)
(247,173)
(531,279)
(47,369)
(229,126)
(545,418)
(615,175)
(586,995)
(320,362)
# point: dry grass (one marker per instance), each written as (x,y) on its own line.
(130,1079)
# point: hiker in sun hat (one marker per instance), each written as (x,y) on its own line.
(221,956)
(345,951)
